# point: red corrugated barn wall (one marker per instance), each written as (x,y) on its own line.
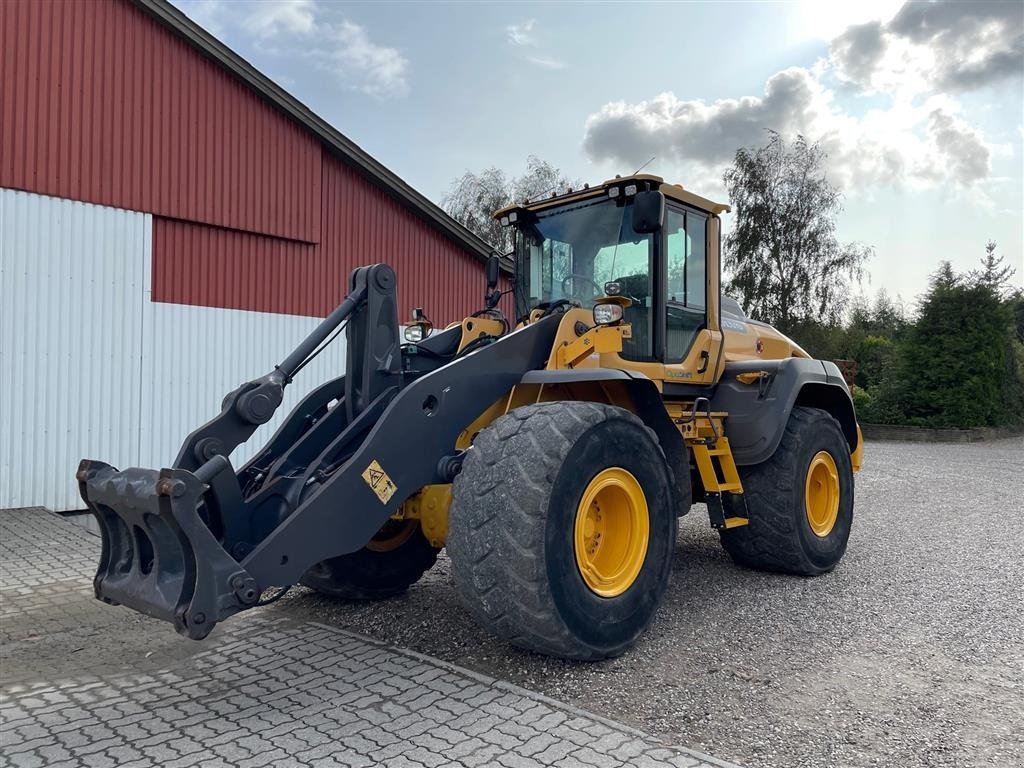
(101,103)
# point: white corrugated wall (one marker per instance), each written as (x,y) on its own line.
(196,355)
(91,368)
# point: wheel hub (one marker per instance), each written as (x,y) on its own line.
(392,535)
(611,532)
(821,494)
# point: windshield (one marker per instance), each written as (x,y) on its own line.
(570,253)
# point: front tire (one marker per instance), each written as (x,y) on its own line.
(392,561)
(562,529)
(800,501)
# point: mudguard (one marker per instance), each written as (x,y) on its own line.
(648,405)
(758,412)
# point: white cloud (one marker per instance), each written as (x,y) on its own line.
(546,63)
(703,132)
(293,29)
(380,71)
(273,17)
(906,144)
(965,152)
(209,14)
(817,20)
(523,38)
(950,46)
(918,139)
(522,33)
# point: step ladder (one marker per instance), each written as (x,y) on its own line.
(711,452)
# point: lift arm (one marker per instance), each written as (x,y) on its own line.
(197,542)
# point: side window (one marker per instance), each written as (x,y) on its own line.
(696,261)
(686,286)
(675,228)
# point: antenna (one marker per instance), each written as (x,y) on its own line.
(644,165)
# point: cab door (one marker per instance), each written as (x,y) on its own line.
(693,337)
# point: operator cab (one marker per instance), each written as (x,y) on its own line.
(646,240)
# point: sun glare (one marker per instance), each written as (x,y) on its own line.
(821,20)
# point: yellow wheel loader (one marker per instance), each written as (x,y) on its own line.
(552,453)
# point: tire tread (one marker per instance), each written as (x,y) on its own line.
(770,541)
(499,522)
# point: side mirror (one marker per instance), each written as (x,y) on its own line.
(493,271)
(648,212)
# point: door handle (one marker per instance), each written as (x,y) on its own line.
(705,358)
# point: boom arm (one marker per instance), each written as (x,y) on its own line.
(196,543)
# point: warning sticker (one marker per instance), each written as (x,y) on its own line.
(379,482)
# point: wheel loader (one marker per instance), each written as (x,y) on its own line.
(552,452)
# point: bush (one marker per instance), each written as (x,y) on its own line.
(861,398)
(876,357)
(958,365)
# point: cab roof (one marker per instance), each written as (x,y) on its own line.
(671,191)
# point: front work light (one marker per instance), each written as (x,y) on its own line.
(606,314)
(419,328)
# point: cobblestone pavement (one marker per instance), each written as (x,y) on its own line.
(85,684)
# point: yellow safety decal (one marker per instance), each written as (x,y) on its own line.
(379,482)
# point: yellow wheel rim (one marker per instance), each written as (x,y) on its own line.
(611,532)
(821,494)
(392,535)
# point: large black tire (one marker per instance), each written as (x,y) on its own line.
(779,536)
(511,528)
(388,565)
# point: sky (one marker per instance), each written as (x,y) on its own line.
(919,105)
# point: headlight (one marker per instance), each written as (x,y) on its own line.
(414,333)
(607,313)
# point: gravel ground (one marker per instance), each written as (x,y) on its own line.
(911,653)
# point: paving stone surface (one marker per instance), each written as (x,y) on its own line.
(83,684)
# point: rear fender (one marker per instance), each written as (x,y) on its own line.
(758,412)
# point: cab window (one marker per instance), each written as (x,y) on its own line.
(686,284)
(628,264)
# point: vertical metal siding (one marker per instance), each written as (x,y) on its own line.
(71,337)
(100,103)
(93,368)
(362,224)
(208,266)
(196,355)
(213,267)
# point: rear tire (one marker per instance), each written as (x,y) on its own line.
(393,560)
(791,529)
(523,508)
